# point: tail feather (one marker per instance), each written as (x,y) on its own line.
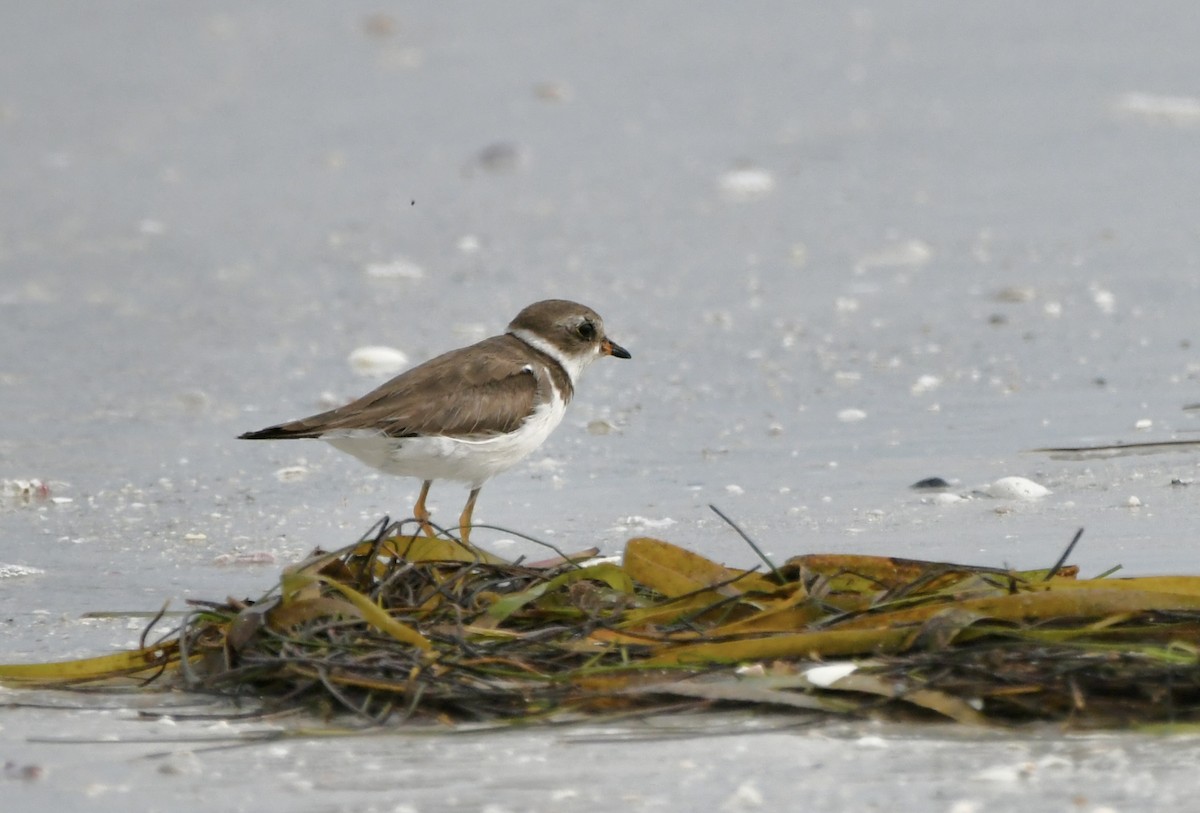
(279,432)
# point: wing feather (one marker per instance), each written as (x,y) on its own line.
(486,389)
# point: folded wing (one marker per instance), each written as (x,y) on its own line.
(483,392)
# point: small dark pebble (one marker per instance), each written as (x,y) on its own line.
(380,25)
(930,483)
(1178,481)
(503,156)
(28,773)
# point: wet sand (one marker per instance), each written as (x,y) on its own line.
(849,249)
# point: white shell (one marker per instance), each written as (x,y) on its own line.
(398,268)
(377,361)
(1016,488)
(825,676)
(746,184)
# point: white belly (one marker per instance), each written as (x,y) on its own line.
(438,457)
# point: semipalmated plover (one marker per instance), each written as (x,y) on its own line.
(469,414)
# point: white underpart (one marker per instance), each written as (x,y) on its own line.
(574,365)
(438,457)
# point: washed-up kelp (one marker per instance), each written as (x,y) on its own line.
(399,627)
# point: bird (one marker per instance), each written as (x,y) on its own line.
(469,414)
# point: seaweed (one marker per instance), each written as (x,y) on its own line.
(397,627)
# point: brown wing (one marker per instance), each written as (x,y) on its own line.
(481,390)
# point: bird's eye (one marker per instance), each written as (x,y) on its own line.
(587,331)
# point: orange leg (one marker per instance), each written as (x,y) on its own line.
(421,512)
(464,520)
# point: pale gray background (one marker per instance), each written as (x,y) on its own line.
(192,195)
